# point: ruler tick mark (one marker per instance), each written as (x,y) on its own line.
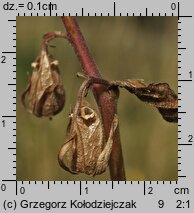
(185,144)
(8,52)
(80,188)
(114,8)
(178,11)
(48,185)
(185,16)
(9,116)
(144,188)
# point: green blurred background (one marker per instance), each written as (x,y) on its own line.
(122,47)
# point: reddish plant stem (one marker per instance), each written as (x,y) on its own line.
(107,106)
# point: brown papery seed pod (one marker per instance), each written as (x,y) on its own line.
(85,149)
(44,95)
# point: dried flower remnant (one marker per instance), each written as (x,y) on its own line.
(85,150)
(158,95)
(45,93)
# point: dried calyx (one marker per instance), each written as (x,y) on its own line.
(45,95)
(85,149)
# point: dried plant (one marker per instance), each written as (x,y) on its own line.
(158,95)
(85,148)
(92,140)
(45,93)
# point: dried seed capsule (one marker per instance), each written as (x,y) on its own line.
(85,149)
(45,93)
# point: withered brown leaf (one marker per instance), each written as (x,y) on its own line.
(85,150)
(45,93)
(158,95)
